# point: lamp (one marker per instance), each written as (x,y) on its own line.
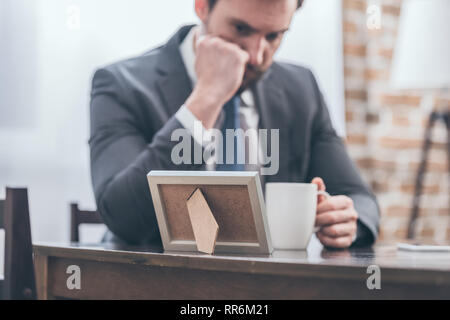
(422,53)
(422,62)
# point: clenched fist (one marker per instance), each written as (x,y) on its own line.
(220,68)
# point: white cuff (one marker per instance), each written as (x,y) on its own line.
(195,127)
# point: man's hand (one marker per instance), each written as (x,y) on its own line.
(336,218)
(220,68)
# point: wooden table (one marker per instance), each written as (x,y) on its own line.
(113,272)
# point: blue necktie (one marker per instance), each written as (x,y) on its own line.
(232,121)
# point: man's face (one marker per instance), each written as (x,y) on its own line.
(257,26)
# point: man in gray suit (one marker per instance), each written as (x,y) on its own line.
(137,104)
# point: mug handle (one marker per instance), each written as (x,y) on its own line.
(326,195)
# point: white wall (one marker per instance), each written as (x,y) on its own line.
(47,63)
(315,41)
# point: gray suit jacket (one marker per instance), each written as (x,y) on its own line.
(133,103)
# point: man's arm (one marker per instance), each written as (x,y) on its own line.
(121,158)
(330,161)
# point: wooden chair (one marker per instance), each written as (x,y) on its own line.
(18,282)
(78,217)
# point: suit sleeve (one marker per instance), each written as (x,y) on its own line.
(121,157)
(331,162)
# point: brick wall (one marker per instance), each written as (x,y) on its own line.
(385,128)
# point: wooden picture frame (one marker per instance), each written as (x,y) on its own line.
(236,201)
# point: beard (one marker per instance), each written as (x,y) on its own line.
(251,76)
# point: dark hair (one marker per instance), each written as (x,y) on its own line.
(212,3)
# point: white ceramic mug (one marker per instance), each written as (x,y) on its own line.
(291,213)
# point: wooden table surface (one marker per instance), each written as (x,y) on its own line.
(110,271)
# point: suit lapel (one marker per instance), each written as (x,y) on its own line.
(175,88)
(174,83)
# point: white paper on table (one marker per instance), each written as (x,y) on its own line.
(422,247)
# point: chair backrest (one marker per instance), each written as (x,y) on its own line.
(2,203)
(2,210)
(78,217)
(19,281)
